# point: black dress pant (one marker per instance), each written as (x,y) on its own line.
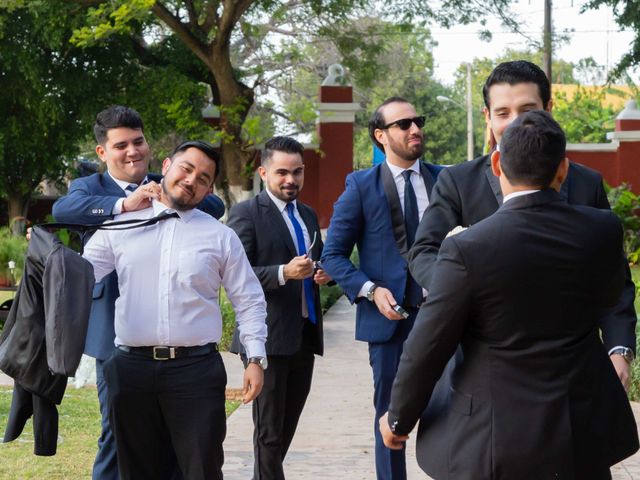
(163,410)
(277,409)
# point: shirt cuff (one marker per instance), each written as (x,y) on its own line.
(117,207)
(617,346)
(255,348)
(281,280)
(365,288)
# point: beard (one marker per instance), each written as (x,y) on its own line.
(176,202)
(406,152)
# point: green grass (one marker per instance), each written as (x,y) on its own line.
(79,430)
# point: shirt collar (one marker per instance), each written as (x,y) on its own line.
(280,204)
(159,207)
(122,184)
(397,171)
(518,194)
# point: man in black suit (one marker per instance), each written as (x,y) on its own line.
(521,292)
(468,193)
(282,238)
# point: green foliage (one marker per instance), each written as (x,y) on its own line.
(584,118)
(228,321)
(627,16)
(626,205)
(110,18)
(12,248)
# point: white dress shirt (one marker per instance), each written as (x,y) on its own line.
(117,207)
(169,276)
(281,205)
(422,198)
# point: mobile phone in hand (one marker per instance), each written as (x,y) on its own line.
(401,311)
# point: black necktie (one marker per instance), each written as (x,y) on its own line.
(413,291)
(411,216)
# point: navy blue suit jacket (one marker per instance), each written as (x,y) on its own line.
(90,201)
(368,214)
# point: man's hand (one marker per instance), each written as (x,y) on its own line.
(298,268)
(623,369)
(252,382)
(390,439)
(142,197)
(321,277)
(385,302)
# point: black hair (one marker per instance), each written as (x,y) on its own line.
(531,149)
(280,144)
(378,121)
(515,72)
(206,148)
(116,116)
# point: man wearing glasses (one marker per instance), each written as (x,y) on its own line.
(379,212)
(281,237)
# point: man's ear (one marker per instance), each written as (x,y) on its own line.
(100,152)
(166,163)
(495,164)
(563,171)
(549,106)
(380,136)
(263,173)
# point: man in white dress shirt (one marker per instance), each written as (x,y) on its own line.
(166,379)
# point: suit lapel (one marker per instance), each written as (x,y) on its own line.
(274,219)
(427,178)
(111,187)
(397,218)
(493,181)
(307,218)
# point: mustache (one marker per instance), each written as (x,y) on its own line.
(290,185)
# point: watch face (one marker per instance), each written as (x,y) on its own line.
(264,363)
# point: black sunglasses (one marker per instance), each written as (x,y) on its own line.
(405,123)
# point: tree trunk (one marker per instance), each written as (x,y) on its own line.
(18,208)
(236,100)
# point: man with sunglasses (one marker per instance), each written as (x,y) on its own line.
(379,212)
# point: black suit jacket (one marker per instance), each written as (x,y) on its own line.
(536,396)
(268,244)
(467,193)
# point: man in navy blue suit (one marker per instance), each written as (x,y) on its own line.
(122,146)
(379,212)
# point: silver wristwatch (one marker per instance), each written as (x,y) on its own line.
(625,353)
(372,289)
(262,361)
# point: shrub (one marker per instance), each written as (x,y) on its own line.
(12,248)
(626,205)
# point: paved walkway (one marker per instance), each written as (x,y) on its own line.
(335,435)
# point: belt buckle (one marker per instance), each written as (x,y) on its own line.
(164,353)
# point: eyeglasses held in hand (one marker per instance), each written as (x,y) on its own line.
(405,123)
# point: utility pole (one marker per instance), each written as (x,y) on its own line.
(546,40)
(469,115)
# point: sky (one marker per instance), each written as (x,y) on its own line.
(595,33)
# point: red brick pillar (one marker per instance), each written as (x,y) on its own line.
(627,135)
(325,182)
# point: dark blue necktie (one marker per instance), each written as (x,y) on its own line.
(413,291)
(411,215)
(131,187)
(302,249)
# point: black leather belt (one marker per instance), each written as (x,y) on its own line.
(170,353)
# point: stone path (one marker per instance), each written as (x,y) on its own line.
(335,435)
(334,439)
